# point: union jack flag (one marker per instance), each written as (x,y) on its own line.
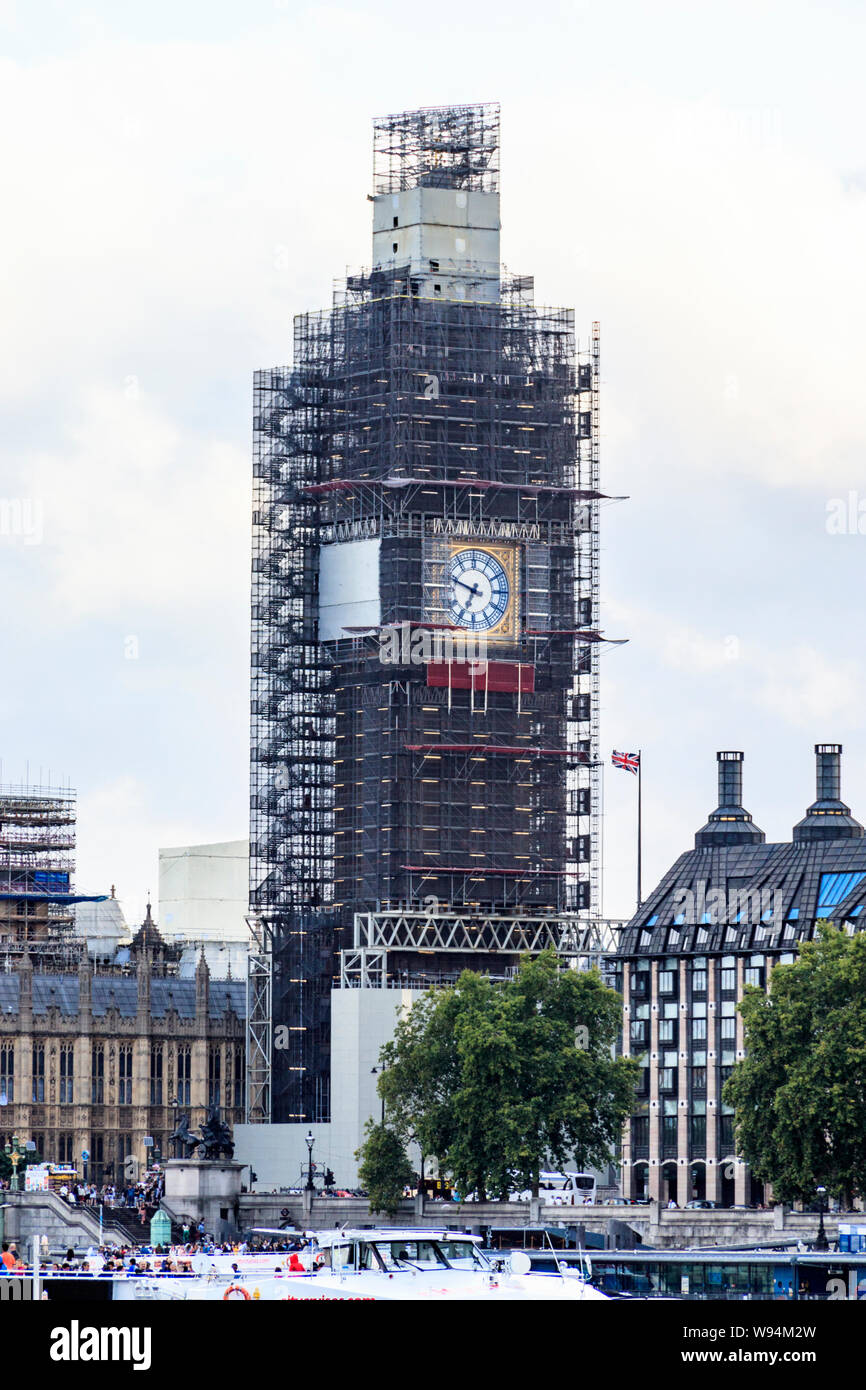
(630,762)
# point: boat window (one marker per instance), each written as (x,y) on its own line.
(369,1257)
(404,1254)
(462,1254)
(340,1257)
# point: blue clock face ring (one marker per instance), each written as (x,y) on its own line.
(477,590)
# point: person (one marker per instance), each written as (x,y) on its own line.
(7,1259)
(672,1206)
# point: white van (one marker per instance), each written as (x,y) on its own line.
(562,1190)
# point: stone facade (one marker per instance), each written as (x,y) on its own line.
(725,915)
(92,1058)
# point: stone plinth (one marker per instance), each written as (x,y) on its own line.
(204,1190)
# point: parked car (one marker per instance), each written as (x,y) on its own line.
(700,1204)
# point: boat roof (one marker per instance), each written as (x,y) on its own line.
(392,1233)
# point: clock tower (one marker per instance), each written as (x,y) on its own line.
(424,791)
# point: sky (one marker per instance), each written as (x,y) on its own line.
(180,179)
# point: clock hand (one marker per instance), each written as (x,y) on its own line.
(473,588)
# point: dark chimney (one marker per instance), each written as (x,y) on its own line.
(730,778)
(729,824)
(828,771)
(828,818)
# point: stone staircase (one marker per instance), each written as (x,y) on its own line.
(30,1214)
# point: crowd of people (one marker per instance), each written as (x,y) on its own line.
(109,1261)
(141,1196)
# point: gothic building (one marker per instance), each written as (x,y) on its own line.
(100,1058)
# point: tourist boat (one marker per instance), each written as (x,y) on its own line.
(389,1263)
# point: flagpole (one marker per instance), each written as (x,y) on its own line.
(639,771)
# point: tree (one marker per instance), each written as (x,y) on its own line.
(498,1079)
(799,1096)
(384,1168)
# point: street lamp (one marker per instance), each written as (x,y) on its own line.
(15,1153)
(821,1241)
(309,1140)
(374,1071)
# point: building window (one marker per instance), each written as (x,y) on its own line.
(729,980)
(729,1008)
(214,1075)
(65,1148)
(97,1155)
(669,1134)
(238,1088)
(668,1079)
(124,1074)
(184,1064)
(7,1073)
(667,1030)
(728,1027)
(38,1096)
(666,982)
(699,1028)
(640,1132)
(97,1074)
(67,1074)
(637,1032)
(754,976)
(726,1132)
(699,982)
(699,1078)
(156,1076)
(698,1126)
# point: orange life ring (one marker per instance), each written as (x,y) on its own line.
(234,1288)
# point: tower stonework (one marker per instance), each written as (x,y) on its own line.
(424,785)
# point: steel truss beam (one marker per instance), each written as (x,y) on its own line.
(259,1022)
(569,935)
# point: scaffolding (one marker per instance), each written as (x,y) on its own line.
(37,858)
(437,147)
(426,425)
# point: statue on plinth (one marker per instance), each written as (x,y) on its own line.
(216,1136)
(183,1138)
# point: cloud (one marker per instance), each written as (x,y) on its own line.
(140,511)
(183,180)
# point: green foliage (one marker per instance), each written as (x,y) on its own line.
(384,1168)
(800,1095)
(489,1079)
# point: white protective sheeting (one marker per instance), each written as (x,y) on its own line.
(348,588)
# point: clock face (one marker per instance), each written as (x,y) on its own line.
(477,590)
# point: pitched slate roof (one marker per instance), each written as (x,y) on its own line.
(735,893)
(121,992)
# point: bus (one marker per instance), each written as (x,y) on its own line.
(562,1190)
